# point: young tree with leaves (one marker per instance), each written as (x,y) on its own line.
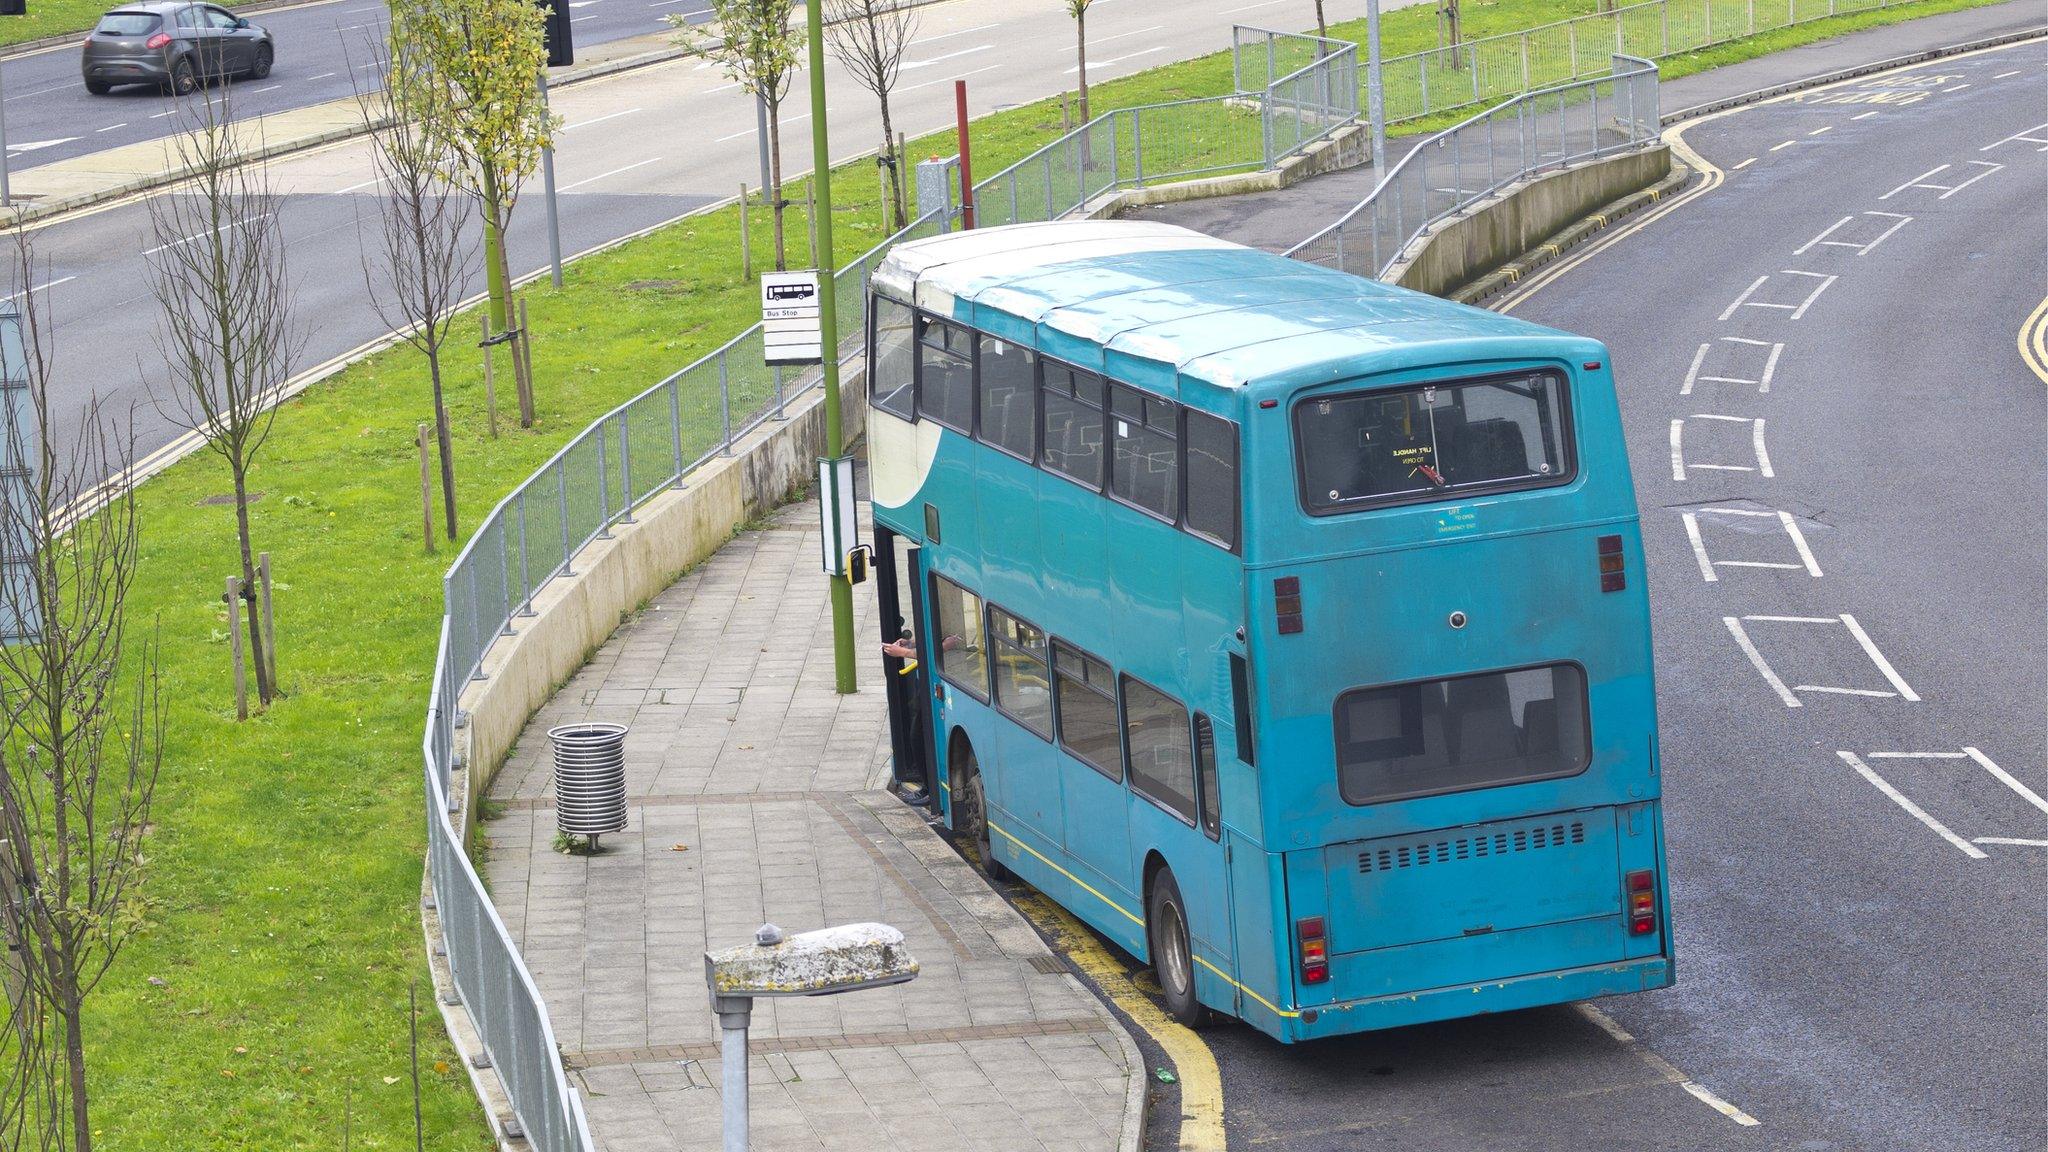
(470,77)
(421,255)
(225,329)
(81,733)
(756,45)
(869,39)
(1078,9)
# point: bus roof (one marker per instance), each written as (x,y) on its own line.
(1210,309)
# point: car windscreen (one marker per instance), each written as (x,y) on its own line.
(128,23)
(1390,446)
(1419,739)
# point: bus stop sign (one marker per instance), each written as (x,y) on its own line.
(789,317)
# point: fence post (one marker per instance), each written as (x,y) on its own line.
(604,488)
(1422,82)
(1266,127)
(778,391)
(504,583)
(1138,145)
(675,423)
(626,465)
(1664,17)
(724,409)
(1571,49)
(1525,61)
(525,577)
(1115,147)
(478,674)
(562,505)
(1472,62)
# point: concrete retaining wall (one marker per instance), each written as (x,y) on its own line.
(671,532)
(1499,230)
(1347,147)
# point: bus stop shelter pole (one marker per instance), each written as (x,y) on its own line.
(828,338)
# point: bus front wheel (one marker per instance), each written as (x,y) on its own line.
(973,822)
(1173,954)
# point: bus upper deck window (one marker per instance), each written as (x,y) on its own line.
(894,359)
(1360,449)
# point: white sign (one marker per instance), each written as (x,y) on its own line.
(789,317)
(838,519)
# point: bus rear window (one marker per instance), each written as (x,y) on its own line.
(1438,440)
(1407,740)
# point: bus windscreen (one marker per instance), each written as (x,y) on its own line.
(1401,445)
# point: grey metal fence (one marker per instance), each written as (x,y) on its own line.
(1492,67)
(1549,128)
(1131,147)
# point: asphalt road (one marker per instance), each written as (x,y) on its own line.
(324,53)
(1850,975)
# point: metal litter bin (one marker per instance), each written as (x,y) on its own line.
(590,779)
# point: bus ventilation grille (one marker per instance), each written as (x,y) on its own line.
(1472,847)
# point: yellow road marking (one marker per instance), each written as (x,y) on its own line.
(1201,1084)
(1712,178)
(2034,341)
(1005,834)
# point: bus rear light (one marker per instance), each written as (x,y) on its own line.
(1287,604)
(1315,950)
(1613,566)
(1642,902)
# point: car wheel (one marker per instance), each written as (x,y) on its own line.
(973,817)
(98,87)
(1173,957)
(261,68)
(183,79)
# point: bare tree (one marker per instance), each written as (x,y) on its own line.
(1322,25)
(756,45)
(869,39)
(217,270)
(1452,23)
(81,737)
(1078,9)
(418,270)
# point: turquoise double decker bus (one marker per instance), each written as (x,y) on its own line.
(1286,627)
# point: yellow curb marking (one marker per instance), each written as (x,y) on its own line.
(2034,341)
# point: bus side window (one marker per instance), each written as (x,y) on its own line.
(1156,732)
(1205,776)
(1211,450)
(1085,716)
(945,371)
(1009,397)
(1241,708)
(1072,443)
(894,358)
(962,657)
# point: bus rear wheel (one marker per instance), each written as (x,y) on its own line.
(1173,954)
(972,820)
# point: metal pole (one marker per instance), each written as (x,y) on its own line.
(966,155)
(6,194)
(732,1054)
(843,668)
(1375,91)
(547,176)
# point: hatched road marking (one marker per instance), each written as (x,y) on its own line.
(1664,1068)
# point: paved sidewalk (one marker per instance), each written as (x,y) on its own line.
(757,794)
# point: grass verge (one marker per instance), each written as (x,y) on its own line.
(285,860)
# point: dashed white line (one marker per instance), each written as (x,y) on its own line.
(111,127)
(272,88)
(1866,115)
(947,56)
(1957,88)
(1121,35)
(597,120)
(1252,7)
(613,172)
(45,285)
(958,75)
(1744,164)
(203,235)
(1818,131)
(949,35)
(1786,144)
(1912,809)
(1121,59)
(2003,75)
(360,187)
(322,76)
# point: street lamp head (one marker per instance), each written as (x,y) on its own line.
(821,963)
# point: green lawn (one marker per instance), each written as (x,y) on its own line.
(50,18)
(282,893)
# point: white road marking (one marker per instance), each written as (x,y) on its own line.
(1679,466)
(1845,691)
(958,75)
(1798,310)
(597,120)
(38,145)
(756,129)
(1763,380)
(1621,1036)
(1818,131)
(947,35)
(360,187)
(613,172)
(1957,88)
(2003,75)
(203,235)
(272,88)
(1912,809)
(2026,134)
(947,56)
(1121,59)
(1786,144)
(1744,164)
(1877,657)
(1756,658)
(1707,565)
(322,76)
(1861,249)
(1121,35)
(45,285)
(2009,840)
(2006,778)
(111,127)
(1946,190)
(1866,115)
(1251,7)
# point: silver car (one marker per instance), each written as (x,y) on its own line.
(175,46)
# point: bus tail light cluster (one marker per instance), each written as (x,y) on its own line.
(1642,902)
(1613,566)
(1287,604)
(1315,950)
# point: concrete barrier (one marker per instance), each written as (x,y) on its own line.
(1347,147)
(1496,231)
(670,533)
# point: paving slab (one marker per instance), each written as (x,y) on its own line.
(757,793)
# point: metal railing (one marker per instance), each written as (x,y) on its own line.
(489,976)
(1493,67)
(1549,128)
(1132,147)
(652,441)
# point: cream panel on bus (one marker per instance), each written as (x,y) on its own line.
(900,456)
